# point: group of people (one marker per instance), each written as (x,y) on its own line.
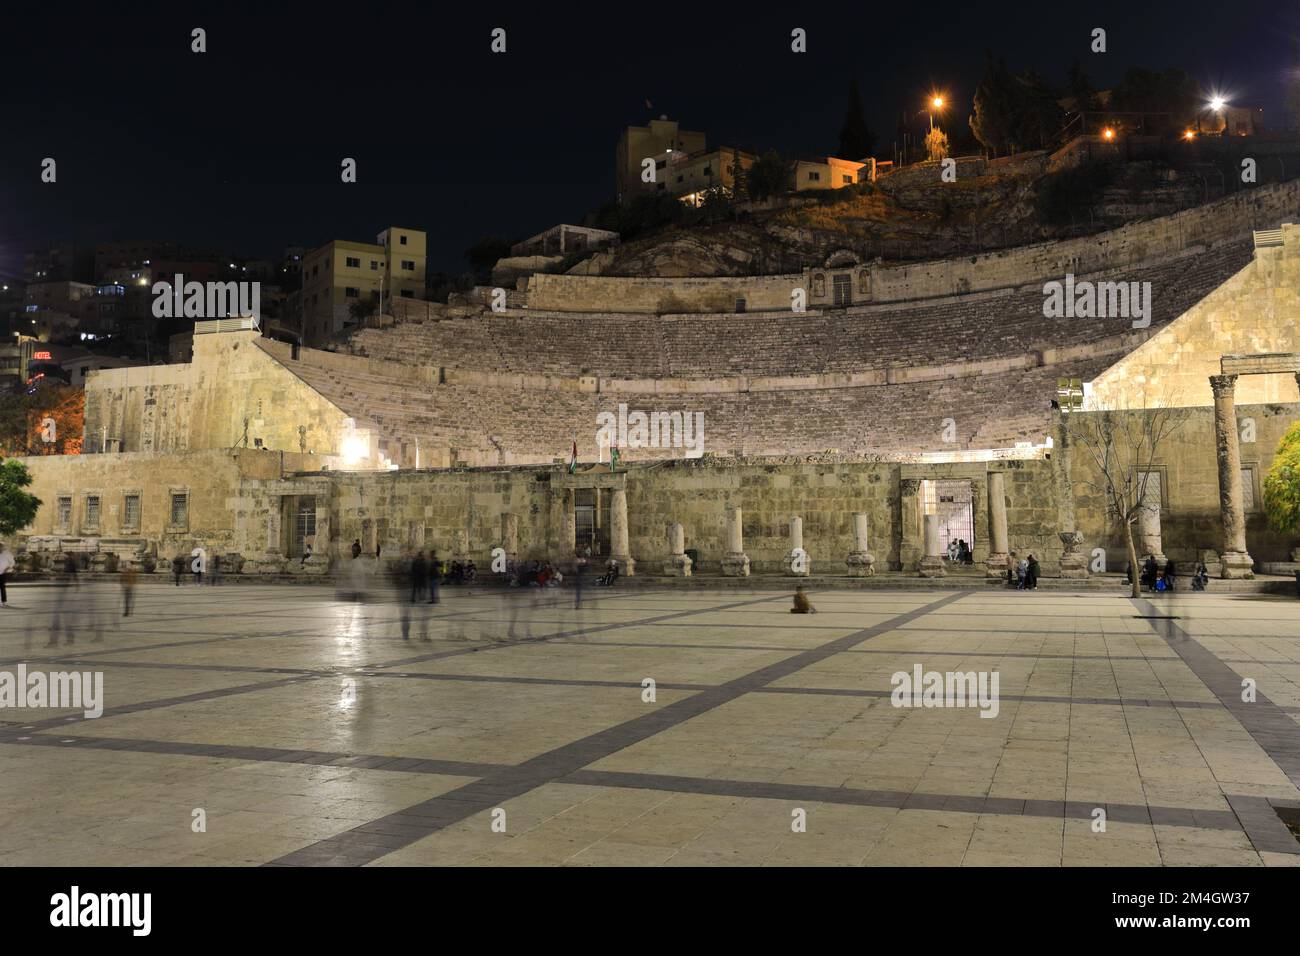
(1022,573)
(1155,578)
(959,552)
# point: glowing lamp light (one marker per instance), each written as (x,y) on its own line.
(1217,103)
(1189,134)
(355,448)
(937,102)
(1108,133)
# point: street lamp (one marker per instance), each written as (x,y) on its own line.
(936,103)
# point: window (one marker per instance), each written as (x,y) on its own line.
(848,180)
(842,288)
(680,178)
(92,511)
(351,293)
(408,265)
(65,510)
(1150,490)
(180,508)
(354,262)
(131,511)
(374,265)
(1248,489)
(814,176)
(401,240)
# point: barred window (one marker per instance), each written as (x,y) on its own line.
(131,511)
(180,508)
(65,511)
(92,510)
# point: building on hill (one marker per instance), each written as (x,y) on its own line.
(692,176)
(827,173)
(342,272)
(638,143)
(562,239)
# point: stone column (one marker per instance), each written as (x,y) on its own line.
(996,566)
(1237,562)
(678,564)
(861,562)
(735,563)
(620,552)
(510,535)
(568,525)
(460,550)
(796,562)
(932,563)
(1149,534)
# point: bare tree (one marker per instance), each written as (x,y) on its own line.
(1123,446)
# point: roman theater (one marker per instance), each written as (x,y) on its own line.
(900,392)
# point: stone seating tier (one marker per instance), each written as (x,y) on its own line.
(489,425)
(956,329)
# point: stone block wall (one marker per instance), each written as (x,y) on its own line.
(1190,518)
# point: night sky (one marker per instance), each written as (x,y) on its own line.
(240,148)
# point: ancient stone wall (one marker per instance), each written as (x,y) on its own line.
(576,293)
(1257,310)
(1190,517)
(1148,242)
(204,404)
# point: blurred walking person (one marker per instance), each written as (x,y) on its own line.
(128,579)
(6,566)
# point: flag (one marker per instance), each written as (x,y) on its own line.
(573,460)
(613,458)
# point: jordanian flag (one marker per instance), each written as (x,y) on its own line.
(573,459)
(613,458)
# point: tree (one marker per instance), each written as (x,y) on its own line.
(483,255)
(1122,446)
(856,139)
(17,507)
(936,144)
(769,176)
(1038,116)
(993,119)
(1079,88)
(1282,484)
(362,309)
(1146,91)
(48,421)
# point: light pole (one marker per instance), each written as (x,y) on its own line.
(936,103)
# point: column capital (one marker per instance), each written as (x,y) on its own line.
(1223,385)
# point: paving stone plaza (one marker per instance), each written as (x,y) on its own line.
(273,724)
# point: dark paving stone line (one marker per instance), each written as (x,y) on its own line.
(1264,828)
(141,706)
(451,768)
(102,652)
(243,637)
(361,844)
(901,800)
(595,629)
(1264,720)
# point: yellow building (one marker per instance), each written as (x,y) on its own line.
(691,176)
(342,272)
(638,143)
(831,173)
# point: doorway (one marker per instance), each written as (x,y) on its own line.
(953,501)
